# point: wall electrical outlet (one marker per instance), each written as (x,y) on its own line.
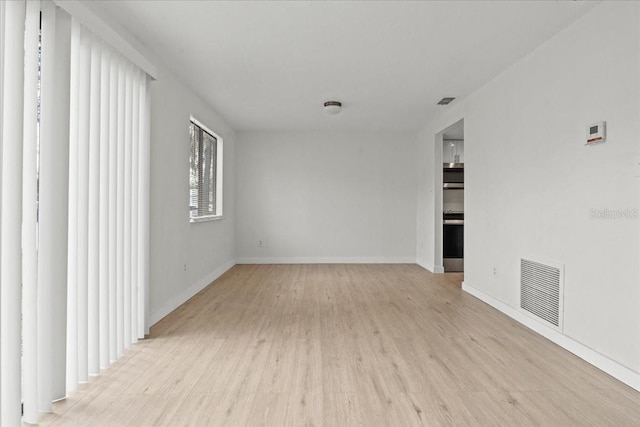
(262,243)
(495,271)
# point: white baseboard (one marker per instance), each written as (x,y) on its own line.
(184,296)
(600,361)
(328,260)
(430,267)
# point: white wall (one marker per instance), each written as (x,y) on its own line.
(530,182)
(207,249)
(326,197)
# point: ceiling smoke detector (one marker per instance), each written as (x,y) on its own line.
(445,101)
(333,107)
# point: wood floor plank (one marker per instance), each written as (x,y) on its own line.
(195,410)
(269,409)
(304,408)
(277,375)
(233,409)
(442,408)
(344,345)
(340,410)
(338,358)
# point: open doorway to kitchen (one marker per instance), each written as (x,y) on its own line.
(449,191)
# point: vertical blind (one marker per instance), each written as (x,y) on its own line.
(74,187)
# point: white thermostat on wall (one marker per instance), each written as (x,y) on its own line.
(596,133)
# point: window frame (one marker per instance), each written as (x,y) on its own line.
(218,178)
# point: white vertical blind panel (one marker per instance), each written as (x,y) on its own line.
(11,215)
(120,213)
(83,203)
(45,200)
(52,206)
(146,185)
(54,236)
(135,140)
(2,39)
(72,259)
(104,206)
(113,210)
(30,216)
(127,206)
(93,311)
(143,206)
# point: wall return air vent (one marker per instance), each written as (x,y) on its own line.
(541,291)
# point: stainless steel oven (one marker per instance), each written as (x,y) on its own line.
(453,242)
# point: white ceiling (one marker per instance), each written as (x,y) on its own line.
(268,65)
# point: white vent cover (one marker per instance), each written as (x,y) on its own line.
(541,291)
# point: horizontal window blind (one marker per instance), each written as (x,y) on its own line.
(205,180)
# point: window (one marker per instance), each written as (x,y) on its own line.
(205,183)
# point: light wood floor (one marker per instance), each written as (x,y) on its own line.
(345,345)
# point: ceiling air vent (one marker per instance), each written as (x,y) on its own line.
(541,291)
(445,101)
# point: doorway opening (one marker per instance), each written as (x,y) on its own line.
(450,198)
